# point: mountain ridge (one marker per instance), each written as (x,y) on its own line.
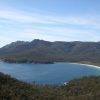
(41,51)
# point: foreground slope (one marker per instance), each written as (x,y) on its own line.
(40,51)
(87,88)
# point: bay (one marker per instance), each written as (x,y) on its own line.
(56,73)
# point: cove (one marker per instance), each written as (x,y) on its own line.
(56,73)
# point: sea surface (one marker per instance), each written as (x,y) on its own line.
(55,74)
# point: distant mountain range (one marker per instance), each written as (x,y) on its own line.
(40,51)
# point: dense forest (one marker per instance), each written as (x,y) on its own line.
(86,88)
(40,51)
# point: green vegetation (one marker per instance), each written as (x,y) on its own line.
(39,51)
(87,88)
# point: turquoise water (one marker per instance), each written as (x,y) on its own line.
(57,73)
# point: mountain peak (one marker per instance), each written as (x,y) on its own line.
(45,51)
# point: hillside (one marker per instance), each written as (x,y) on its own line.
(87,88)
(40,51)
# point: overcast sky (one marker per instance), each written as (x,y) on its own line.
(52,20)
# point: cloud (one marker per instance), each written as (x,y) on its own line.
(57,34)
(23,29)
(26,17)
(19,17)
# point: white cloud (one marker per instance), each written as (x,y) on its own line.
(24,17)
(57,33)
(47,33)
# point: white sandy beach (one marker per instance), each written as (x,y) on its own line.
(87,65)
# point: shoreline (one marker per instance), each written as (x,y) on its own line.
(79,63)
(94,66)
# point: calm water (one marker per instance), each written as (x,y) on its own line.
(57,73)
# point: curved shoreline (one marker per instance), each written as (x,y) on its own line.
(94,66)
(79,63)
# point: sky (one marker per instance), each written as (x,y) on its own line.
(51,20)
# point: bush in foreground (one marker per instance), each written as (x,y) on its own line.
(87,88)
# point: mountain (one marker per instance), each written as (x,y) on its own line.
(40,51)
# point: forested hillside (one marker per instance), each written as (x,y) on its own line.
(39,51)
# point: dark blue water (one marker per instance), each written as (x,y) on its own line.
(57,73)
